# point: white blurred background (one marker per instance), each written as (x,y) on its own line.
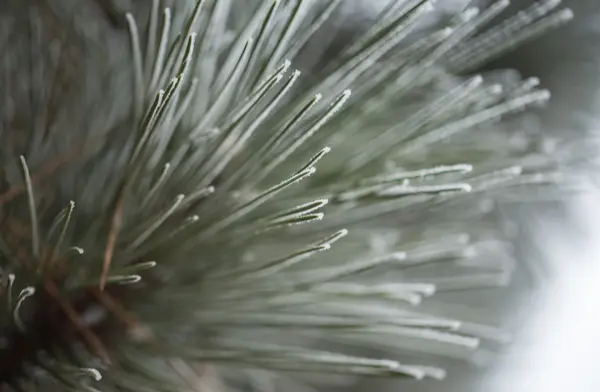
(560,344)
(558,347)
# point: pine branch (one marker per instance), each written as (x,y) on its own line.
(235,216)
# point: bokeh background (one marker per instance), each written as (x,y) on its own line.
(556,296)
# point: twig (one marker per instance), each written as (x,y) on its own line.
(112,240)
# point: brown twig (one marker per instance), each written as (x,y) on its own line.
(112,240)
(51,288)
(94,342)
(140,332)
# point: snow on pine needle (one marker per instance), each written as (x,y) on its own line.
(195,204)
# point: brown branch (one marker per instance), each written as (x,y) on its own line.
(139,331)
(94,342)
(112,240)
(22,255)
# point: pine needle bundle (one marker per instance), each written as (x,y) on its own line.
(179,207)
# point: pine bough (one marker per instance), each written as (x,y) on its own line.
(222,215)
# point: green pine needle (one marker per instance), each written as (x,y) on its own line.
(236,216)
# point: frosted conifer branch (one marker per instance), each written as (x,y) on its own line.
(204,150)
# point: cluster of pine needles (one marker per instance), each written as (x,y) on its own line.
(189,210)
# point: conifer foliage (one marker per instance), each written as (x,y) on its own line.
(191,209)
